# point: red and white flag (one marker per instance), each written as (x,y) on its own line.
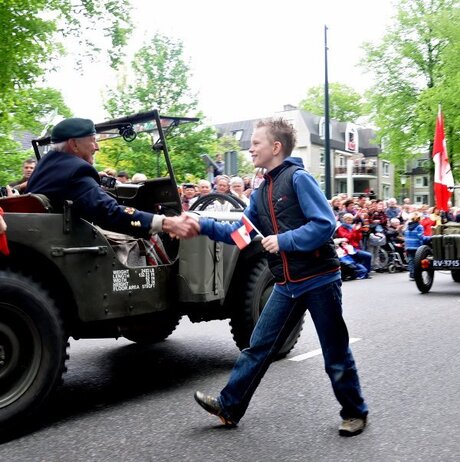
(242,235)
(443,178)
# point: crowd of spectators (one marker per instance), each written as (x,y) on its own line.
(365,225)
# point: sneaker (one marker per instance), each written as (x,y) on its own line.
(212,405)
(352,426)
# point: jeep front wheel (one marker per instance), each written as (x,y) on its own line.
(32,349)
(423,271)
(257,288)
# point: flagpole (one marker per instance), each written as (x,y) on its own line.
(327,135)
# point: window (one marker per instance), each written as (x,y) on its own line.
(421,163)
(322,183)
(386,191)
(238,134)
(321,157)
(421,199)
(342,161)
(385,168)
(421,182)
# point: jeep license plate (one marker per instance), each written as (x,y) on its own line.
(446,263)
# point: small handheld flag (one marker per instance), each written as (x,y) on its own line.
(242,235)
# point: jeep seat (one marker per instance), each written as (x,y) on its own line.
(27,203)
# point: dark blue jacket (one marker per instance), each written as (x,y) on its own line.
(61,176)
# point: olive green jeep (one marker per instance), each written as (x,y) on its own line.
(63,277)
(442,253)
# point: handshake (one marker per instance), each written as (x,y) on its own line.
(184,226)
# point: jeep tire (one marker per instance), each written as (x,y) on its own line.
(32,349)
(258,285)
(423,276)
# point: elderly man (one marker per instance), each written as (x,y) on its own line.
(67,173)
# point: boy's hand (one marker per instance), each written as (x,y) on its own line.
(270,244)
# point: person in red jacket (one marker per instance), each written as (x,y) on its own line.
(352,232)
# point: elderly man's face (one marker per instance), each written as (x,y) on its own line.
(85,148)
(204,188)
(222,187)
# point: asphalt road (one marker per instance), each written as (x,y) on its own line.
(123,402)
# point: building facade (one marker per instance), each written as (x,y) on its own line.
(355,164)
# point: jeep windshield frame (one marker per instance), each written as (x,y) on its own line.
(128,128)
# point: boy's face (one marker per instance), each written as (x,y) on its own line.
(265,153)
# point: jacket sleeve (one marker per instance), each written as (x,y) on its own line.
(92,203)
(320,219)
(220,231)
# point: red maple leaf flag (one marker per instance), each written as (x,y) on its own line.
(242,235)
(443,179)
(3,241)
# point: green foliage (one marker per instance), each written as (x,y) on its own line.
(345,104)
(29,47)
(158,79)
(416,67)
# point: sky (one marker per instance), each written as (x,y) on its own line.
(248,58)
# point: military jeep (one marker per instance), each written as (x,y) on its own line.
(63,278)
(443,253)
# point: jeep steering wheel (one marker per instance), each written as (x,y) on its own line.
(204,201)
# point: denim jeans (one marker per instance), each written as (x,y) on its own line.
(278,318)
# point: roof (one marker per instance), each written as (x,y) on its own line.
(312,121)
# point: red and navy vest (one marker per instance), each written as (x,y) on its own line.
(279,211)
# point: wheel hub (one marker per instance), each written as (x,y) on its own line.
(9,351)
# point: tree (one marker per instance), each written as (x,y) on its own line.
(345,104)
(31,36)
(158,79)
(413,74)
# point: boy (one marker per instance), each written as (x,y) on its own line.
(294,216)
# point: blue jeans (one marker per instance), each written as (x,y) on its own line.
(278,318)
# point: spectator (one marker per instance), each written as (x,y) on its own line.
(138,178)
(348,207)
(336,205)
(188,194)
(413,239)
(123,177)
(222,186)
(392,210)
(258,178)
(426,221)
(204,187)
(350,268)
(28,166)
(352,233)
(219,166)
(237,189)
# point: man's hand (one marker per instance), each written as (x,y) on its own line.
(182,227)
(270,244)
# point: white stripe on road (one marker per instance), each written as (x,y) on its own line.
(317,352)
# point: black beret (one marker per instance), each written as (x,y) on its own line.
(72,128)
(188,185)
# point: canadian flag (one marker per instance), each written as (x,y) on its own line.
(242,235)
(3,241)
(443,178)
